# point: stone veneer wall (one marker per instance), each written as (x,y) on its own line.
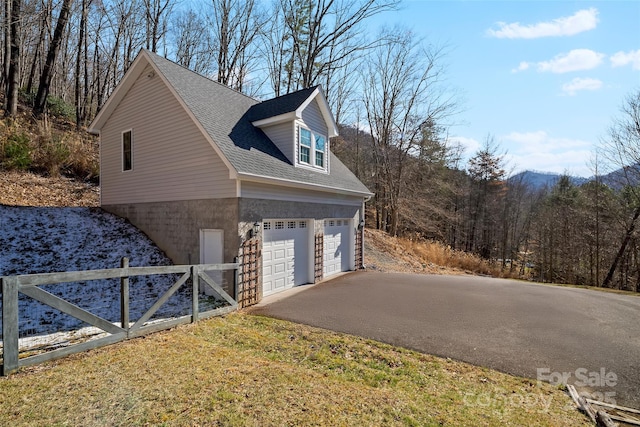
(175,227)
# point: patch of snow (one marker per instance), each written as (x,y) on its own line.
(47,239)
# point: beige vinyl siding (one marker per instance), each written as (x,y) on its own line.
(172,160)
(312,117)
(282,135)
(255,190)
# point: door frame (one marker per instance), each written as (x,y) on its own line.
(218,276)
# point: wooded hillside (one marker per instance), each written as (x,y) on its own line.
(62,59)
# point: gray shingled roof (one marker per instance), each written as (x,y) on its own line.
(280,105)
(226,116)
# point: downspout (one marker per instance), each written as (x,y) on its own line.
(362,220)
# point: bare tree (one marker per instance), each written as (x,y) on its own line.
(193,42)
(403,96)
(156,16)
(13,74)
(47,73)
(236,26)
(326,32)
(274,51)
(622,150)
(81,58)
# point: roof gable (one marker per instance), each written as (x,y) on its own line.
(225,117)
(290,107)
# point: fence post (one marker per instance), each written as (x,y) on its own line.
(124,296)
(236,279)
(9,325)
(195,311)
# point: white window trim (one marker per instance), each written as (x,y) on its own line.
(122,150)
(312,150)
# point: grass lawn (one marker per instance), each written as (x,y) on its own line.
(249,370)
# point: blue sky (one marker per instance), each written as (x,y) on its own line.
(545,78)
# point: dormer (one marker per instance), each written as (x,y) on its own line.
(300,125)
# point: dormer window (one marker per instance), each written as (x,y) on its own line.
(312,148)
(320,147)
(305,145)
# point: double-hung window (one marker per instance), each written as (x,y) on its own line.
(305,145)
(320,146)
(312,148)
(127,150)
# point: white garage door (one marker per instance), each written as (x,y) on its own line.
(337,248)
(286,253)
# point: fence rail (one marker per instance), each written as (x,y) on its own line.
(29,284)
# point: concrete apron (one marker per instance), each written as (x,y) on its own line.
(279,296)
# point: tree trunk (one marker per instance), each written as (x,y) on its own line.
(47,73)
(623,247)
(14,61)
(78,89)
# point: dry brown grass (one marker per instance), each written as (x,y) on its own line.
(29,189)
(386,253)
(440,254)
(49,148)
(245,370)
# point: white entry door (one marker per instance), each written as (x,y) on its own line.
(286,260)
(338,250)
(211,252)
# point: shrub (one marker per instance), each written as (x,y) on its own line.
(55,156)
(16,153)
(58,107)
(55,105)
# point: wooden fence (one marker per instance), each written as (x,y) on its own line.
(28,285)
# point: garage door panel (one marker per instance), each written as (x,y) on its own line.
(337,247)
(285,254)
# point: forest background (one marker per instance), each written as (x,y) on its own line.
(388,91)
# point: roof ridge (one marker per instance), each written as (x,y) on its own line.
(310,89)
(199,75)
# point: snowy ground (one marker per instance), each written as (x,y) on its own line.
(47,239)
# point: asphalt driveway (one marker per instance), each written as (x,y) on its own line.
(587,338)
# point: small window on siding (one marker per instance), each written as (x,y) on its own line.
(291,224)
(302,224)
(279,225)
(127,150)
(266,225)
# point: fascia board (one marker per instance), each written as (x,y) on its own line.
(130,77)
(242,176)
(324,109)
(269,121)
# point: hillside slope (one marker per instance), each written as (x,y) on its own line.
(382,252)
(28,189)
(390,254)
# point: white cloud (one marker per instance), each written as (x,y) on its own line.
(469,145)
(521,67)
(542,152)
(620,59)
(575,60)
(579,84)
(582,20)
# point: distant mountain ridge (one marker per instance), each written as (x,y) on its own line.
(538,180)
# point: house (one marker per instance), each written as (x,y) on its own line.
(201,169)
